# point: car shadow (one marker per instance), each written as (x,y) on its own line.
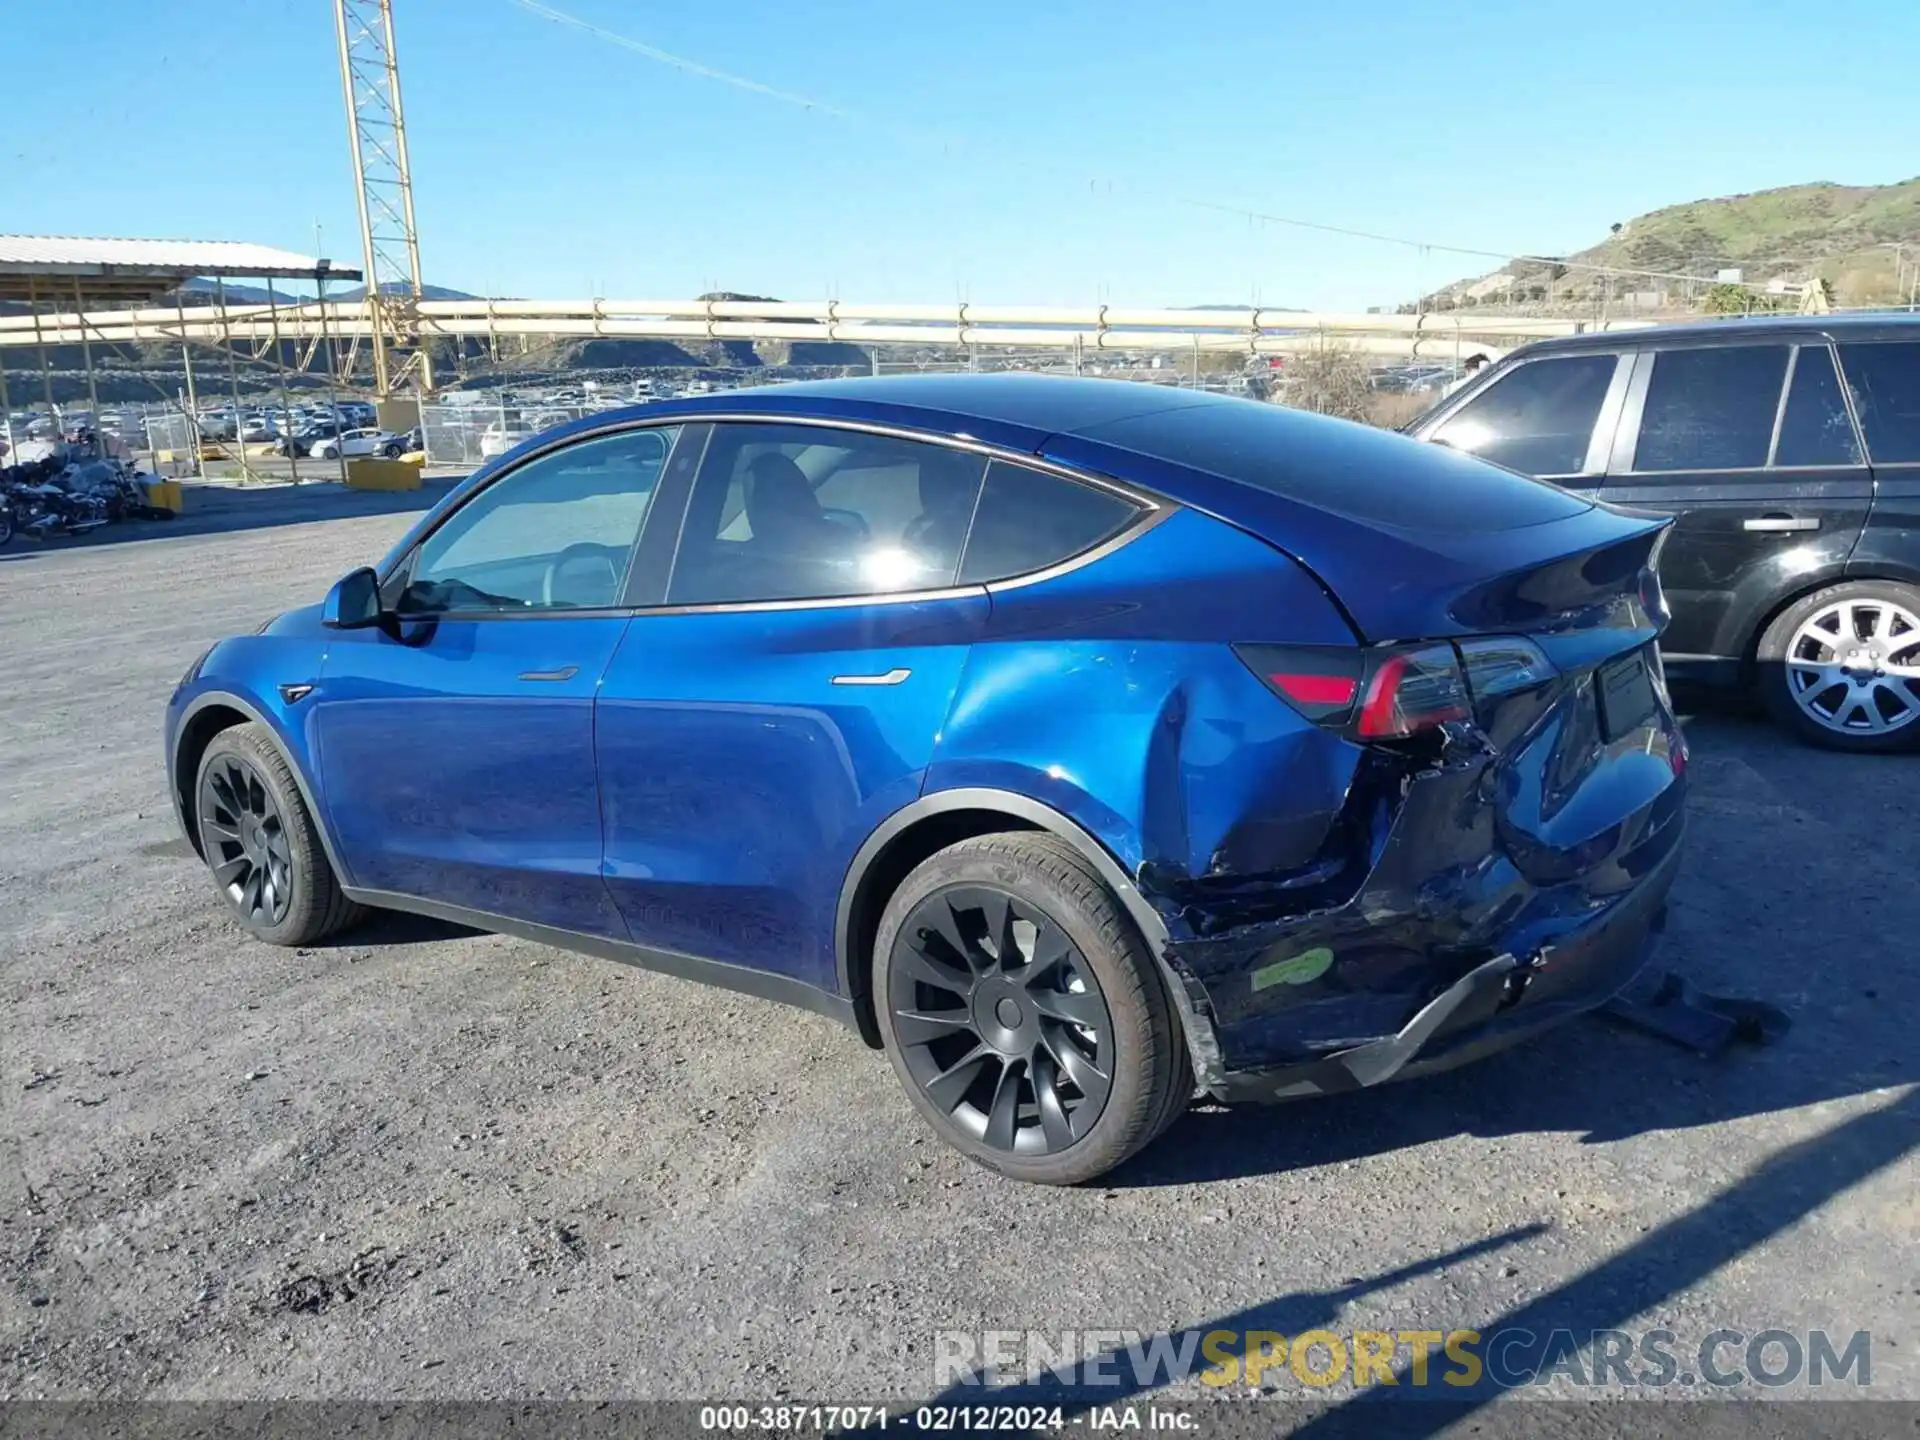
(1637,1280)
(382,928)
(1109,1379)
(1796,891)
(224,509)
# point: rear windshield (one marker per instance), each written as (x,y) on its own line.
(1365,474)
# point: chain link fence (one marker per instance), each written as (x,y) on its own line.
(462,430)
(170,441)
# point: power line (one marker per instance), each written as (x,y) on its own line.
(804,102)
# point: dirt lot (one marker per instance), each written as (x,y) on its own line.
(429,1163)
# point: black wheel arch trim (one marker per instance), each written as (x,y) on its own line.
(177,787)
(1190,1000)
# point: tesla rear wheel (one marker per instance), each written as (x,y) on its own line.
(261,844)
(1841,668)
(1023,1012)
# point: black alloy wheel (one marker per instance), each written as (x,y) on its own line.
(245,841)
(1023,1011)
(261,843)
(1001,1021)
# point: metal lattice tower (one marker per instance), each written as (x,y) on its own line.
(377,126)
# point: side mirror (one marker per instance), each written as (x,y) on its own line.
(354,601)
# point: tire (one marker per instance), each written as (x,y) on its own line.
(1032,1031)
(6,521)
(260,842)
(392,452)
(1861,691)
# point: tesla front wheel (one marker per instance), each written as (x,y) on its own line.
(261,843)
(1023,1012)
(1841,667)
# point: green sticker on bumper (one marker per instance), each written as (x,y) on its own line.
(1307,966)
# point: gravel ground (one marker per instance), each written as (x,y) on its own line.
(426,1163)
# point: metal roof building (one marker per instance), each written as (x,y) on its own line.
(52,268)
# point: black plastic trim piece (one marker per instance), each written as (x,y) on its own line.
(1378,1061)
(1202,1046)
(783,989)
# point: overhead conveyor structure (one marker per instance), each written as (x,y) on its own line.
(81,290)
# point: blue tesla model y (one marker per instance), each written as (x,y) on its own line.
(1086,745)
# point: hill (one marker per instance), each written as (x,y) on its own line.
(1843,234)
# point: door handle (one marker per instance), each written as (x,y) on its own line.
(1780,524)
(891,677)
(565,672)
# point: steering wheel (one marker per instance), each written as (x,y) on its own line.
(584,550)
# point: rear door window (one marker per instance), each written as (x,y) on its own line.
(1886,388)
(1029,519)
(1815,430)
(798,512)
(1711,408)
(1538,418)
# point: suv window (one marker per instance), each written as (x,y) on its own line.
(556,533)
(1711,409)
(798,512)
(1886,387)
(1029,519)
(1816,429)
(1537,418)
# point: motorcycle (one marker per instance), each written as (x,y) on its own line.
(51,497)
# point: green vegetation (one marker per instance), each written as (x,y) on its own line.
(1844,235)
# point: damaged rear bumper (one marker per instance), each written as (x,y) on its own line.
(1499,1002)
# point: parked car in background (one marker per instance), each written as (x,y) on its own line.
(1079,742)
(367,440)
(302,441)
(1788,453)
(256,429)
(501,436)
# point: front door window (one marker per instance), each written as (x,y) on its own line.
(556,534)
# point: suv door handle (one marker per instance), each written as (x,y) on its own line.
(1775,524)
(565,672)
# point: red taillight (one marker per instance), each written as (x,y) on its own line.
(1413,690)
(1317,689)
(1389,693)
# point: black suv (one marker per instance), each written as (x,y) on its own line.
(1789,452)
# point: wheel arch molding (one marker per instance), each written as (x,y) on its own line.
(931,823)
(190,740)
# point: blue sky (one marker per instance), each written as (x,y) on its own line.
(1013,151)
